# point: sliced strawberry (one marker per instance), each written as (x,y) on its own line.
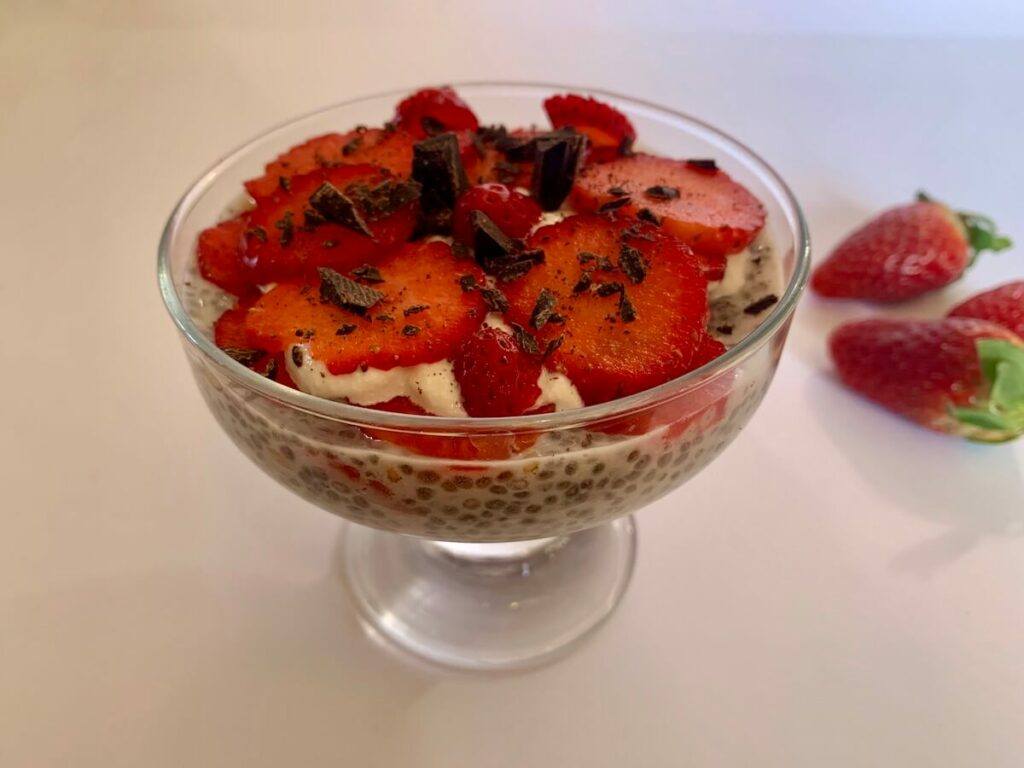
(229,330)
(286,238)
(389,149)
(495,376)
(1003,305)
(628,301)
(231,335)
(220,256)
(423,314)
(608,131)
(959,375)
(435,110)
(481,447)
(697,203)
(513,212)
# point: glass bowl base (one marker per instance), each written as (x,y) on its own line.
(488,606)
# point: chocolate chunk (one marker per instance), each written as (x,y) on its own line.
(583,283)
(246,357)
(612,205)
(383,199)
(495,300)
(468,282)
(632,262)
(287,227)
(415,309)
(410,330)
(554,170)
(543,309)
(626,309)
(518,149)
(760,305)
(338,208)
(661,192)
(345,330)
(702,164)
(346,293)
(368,274)
(646,214)
(437,166)
(617,191)
(525,340)
(491,246)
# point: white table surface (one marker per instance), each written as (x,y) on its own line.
(838,589)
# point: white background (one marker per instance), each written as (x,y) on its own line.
(839,589)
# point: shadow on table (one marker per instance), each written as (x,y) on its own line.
(974,490)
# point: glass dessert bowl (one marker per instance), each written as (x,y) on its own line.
(486,543)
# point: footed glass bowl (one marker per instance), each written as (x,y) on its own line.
(485,543)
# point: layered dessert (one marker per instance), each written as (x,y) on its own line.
(437,266)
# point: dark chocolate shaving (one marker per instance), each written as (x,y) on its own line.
(410,330)
(646,214)
(311,220)
(368,274)
(585,256)
(554,344)
(382,318)
(287,227)
(661,192)
(543,309)
(760,305)
(491,246)
(612,205)
(346,293)
(246,357)
(269,369)
(514,270)
(338,208)
(297,357)
(583,283)
(258,232)
(556,161)
(494,299)
(632,262)
(726,330)
(525,340)
(468,282)
(415,309)
(345,330)
(437,166)
(626,310)
(703,164)
(431,125)
(607,289)
(352,145)
(617,192)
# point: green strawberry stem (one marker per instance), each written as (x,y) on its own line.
(1000,415)
(982,233)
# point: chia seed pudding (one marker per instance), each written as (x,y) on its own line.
(553,481)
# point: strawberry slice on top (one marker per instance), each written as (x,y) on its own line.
(220,255)
(431,111)
(692,199)
(513,212)
(618,306)
(409,308)
(609,132)
(338,217)
(389,149)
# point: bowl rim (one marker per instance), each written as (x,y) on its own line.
(355,414)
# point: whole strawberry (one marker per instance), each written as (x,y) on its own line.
(959,375)
(497,378)
(1003,305)
(905,252)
